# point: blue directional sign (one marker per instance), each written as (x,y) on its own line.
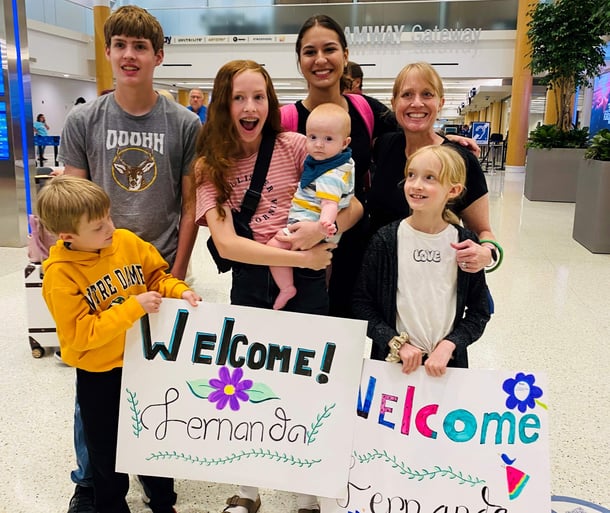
(480,132)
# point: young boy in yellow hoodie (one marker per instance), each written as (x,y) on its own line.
(98,281)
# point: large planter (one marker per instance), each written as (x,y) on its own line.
(551,175)
(592,209)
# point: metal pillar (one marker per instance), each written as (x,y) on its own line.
(16,132)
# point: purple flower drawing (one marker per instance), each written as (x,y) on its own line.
(522,393)
(230,389)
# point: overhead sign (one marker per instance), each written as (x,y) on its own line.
(355,35)
(229,39)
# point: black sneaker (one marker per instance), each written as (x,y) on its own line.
(82,500)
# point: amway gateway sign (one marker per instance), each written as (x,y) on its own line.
(392,34)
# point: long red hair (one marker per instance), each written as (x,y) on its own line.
(218,144)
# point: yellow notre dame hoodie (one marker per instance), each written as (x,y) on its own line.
(91,296)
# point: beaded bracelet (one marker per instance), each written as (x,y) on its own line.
(497,263)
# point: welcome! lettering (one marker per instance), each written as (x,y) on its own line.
(236,350)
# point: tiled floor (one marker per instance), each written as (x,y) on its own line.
(552,314)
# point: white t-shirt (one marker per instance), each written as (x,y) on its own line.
(427,285)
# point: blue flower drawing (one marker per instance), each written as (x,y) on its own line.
(230,389)
(522,393)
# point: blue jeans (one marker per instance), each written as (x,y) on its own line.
(252,285)
(82,475)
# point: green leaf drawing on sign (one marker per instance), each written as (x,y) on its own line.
(420,475)
(200,388)
(260,393)
(257,394)
(135,413)
(315,426)
(234,457)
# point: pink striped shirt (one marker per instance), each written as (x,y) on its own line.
(282,179)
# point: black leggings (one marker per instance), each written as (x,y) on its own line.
(252,285)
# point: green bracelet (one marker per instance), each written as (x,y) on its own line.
(500,254)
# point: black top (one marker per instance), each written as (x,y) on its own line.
(347,257)
(386,200)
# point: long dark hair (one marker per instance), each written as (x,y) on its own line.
(329,23)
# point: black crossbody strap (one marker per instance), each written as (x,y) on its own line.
(253,194)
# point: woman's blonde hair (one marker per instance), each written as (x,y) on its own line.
(453,172)
(218,144)
(66,200)
(426,72)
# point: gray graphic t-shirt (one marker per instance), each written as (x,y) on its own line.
(138,160)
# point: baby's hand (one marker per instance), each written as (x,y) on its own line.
(150,301)
(192,297)
(328,228)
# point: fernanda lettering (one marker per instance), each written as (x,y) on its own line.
(163,423)
(378,503)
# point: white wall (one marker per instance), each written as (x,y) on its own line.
(57,50)
(54,97)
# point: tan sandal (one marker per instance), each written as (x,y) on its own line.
(249,504)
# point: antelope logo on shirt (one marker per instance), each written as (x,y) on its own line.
(134,169)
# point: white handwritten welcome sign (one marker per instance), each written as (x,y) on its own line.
(241,395)
(473,441)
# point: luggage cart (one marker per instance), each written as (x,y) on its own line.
(41,326)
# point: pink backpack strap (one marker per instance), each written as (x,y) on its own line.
(289,117)
(365,111)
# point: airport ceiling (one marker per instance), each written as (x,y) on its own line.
(457,92)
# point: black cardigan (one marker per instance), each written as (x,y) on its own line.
(375,297)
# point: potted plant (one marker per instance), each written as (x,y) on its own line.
(567,51)
(550,136)
(592,209)
(553,159)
